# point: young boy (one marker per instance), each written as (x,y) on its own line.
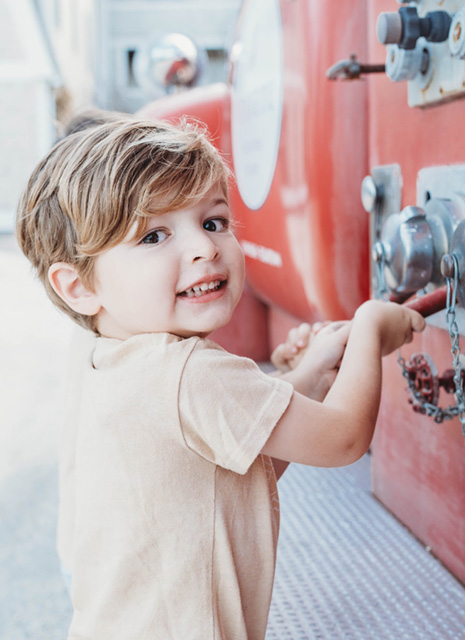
(171,509)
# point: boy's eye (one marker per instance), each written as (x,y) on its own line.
(154,237)
(216,224)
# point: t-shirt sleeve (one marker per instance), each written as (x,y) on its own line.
(228,407)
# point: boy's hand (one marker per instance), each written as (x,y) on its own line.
(321,360)
(288,354)
(311,356)
(394,323)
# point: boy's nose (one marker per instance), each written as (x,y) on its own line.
(202,247)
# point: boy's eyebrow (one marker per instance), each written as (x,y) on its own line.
(220,201)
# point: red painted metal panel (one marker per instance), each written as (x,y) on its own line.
(313,217)
(205,104)
(418,465)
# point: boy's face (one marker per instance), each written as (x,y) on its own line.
(183,274)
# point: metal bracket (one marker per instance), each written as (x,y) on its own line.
(352,69)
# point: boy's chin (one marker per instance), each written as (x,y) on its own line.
(193,333)
(201,331)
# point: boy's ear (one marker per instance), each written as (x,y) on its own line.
(67,284)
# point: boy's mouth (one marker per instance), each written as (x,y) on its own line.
(202,289)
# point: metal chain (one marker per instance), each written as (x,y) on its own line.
(452,286)
(439,415)
(425,407)
(456,410)
(382,290)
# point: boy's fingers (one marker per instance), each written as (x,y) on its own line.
(418,322)
(416,325)
(297,338)
(344,329)
(292,336)
(318,326)
(277,356)
(335,326)
(304,329)
(303,334)
(409,337)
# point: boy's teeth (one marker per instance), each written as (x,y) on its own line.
(199,289)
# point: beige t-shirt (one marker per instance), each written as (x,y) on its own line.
(173,529)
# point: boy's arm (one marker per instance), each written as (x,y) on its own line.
(338,430)
(318,358)
(317,367)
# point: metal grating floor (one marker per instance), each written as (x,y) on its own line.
(348,570)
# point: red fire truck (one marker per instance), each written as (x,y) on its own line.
(343,125)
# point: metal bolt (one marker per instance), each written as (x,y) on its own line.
(457,35)
(370,194)
(378,252)
(457,32)
(389,28)
(447,266)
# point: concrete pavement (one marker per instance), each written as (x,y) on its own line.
(33,345)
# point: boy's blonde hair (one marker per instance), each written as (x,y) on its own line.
(92,117)
(91,188)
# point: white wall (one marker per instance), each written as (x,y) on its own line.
(71,28)
(128,25)
(27,115)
